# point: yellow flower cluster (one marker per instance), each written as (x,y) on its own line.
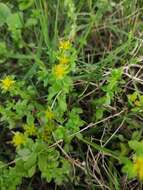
(64,45)
(49,114)
(138,167)
(63,60)
(60,71)
(30,130)
(18,139)
(46,134)
(136,99)
(7,83)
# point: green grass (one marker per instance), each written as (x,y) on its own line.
(99,142)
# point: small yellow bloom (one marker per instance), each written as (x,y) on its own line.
(138,167)
(18,139)
(7,83)
(133,97)
(49,114)
(63,60)
(64,45)
(30,130)
(60,71)
(137,103)
(46,134)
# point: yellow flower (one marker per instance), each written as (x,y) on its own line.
(133,97)
(60,71)
(46,134)
(30,130)
(64,45)
(7,83)
(18,139)
(138,167)
(63,60)
(49,114)
(137,103)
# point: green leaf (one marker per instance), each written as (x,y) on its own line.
(42,162)
(136,146)
(25,4)
(99,113)
(40,146)
(5,13)
(30,119)
(136,135)
(124,149)
(66,167)
(31,22)
(31,161)
(31,171)
(15,21)
(24,153)
(3,49)
(128,168)
(108,98)
(60,133)
(62,103)
(43,167)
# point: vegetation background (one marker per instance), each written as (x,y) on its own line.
(71,100)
